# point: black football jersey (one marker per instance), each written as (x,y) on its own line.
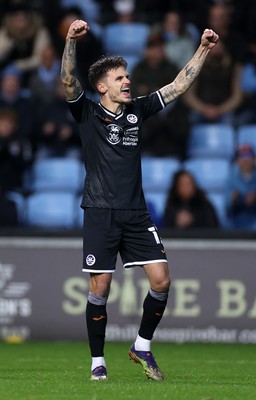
(111,150)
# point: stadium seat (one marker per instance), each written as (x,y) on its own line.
(65,174)
(90,8)
(211,140)
(157,173)
(51,210)
(218,200)
(210,174)
(79,213)
(246,134)
(125,38)
(156,206)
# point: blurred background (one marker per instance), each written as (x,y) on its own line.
(198,155)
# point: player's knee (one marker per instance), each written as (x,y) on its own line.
(162,285)
(100,287)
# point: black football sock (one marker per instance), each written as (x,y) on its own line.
(96,319)
(153,309)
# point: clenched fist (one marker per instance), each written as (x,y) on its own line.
(209,38)
(77,29)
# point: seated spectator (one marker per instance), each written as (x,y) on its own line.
(44,79)
(12,96)
(15,153)
(187,206)
(22,39)
(165,133)
(216,95)
(57,133)
(179,44)
(241,193)
(8,211)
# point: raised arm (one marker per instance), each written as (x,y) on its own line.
(189,73)
(73,88)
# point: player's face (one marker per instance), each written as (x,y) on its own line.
(117,83)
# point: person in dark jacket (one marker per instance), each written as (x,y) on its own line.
(187,206)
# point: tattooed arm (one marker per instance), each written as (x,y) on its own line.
(189,73)
(72,85)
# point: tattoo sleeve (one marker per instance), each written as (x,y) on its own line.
(72,85)
(186,76)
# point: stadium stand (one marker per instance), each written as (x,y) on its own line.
(210,174)
(127,39)
(157,173)
(218,200)
(51,210)
(211,140)
(60,173)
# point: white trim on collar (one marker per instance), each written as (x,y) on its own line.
(112,114)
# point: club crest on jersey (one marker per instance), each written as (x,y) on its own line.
(132,118)
(114,135)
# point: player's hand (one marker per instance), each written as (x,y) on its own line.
(209,38)
(77,29)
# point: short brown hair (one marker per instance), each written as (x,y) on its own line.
(101,67)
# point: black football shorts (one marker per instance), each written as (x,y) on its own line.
(131,233)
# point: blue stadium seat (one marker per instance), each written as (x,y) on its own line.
(246,134)
(125,38)
(51,210)
(218,200)
(157,173)
(210,174)
(211,140)
(156,202)
(90,8)
(79,215)
(61,173)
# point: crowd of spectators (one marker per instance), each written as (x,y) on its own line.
(35,122)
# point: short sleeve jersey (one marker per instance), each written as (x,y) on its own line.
(111,150)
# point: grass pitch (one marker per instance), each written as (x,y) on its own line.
(61,371)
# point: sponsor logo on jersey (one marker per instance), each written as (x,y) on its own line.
(132,132)
(90,259)
(114,135)
(132,118)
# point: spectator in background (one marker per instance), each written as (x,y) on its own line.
(12,96)
(241,193)
(154,70)
(166,133)
(216,96)
(22,39)
(15,153)
(179,44)
(220,19)
(89,47)
(57,134)
(187,206)
(43,81)
(246,13)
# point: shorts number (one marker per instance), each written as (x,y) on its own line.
(154,231)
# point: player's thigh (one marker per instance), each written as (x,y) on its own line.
(100,241)
(141,243)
